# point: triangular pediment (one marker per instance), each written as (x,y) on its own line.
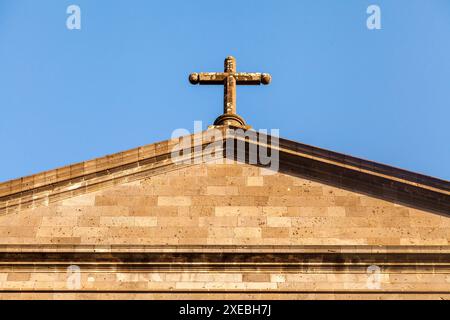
(295,159)
(143,197)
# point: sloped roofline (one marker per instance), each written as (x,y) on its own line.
(369,166)
(310,161)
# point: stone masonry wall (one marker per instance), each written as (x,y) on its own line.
(231,204)
(215,204)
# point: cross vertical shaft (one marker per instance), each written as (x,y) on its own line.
(229,94)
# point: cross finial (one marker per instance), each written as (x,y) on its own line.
(229,79)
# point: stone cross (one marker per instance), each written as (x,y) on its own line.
(229,79)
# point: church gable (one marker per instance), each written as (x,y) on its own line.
(226,144)
(140,224)
(224,204)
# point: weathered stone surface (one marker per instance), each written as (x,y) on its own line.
(138,226)
(312,214)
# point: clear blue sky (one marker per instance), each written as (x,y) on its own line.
(121,81)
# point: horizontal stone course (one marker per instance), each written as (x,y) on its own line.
(278,209)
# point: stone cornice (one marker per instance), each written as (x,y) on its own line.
(344,171)
(93,175)
(353,259)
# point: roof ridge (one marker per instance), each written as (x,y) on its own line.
(89,167)
(372,165)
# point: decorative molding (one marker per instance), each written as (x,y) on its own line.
(303,259)
(381,181)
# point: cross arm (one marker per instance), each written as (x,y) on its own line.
(246,78)
(242,78)
(207,78)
